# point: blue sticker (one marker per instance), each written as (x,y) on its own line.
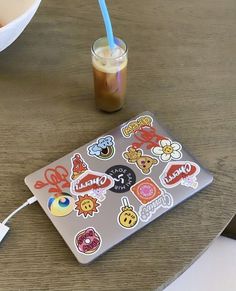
(103,149)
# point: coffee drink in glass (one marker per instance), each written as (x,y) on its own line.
(110,74)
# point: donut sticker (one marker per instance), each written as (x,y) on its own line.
(180,173)
(103,149)
(92,181)
(127,218)
(123,177)
(128,129)
(61,205)
(143,162)
(55,179)
(168,150)
(164,200)
(86,206)
(88,241)
(146,190)
(78,166)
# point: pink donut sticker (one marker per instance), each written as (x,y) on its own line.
(88,241)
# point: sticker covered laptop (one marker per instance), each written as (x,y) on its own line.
(108,189)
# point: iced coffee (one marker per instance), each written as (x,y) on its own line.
(110,74)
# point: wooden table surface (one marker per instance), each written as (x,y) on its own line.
(181,66)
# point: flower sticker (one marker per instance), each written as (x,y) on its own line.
(168,150)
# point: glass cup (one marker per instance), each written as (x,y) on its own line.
(110,74)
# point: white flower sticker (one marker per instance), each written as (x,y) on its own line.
(168,150)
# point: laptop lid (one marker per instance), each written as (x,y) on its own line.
(108,189)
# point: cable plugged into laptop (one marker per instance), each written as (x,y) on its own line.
(3,227)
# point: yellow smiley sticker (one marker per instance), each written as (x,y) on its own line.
(86,205)
(127,218)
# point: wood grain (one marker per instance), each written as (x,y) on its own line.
(181,66)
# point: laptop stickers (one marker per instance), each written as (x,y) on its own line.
(108,189)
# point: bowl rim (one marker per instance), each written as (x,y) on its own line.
(19,18)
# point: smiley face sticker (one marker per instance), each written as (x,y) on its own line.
(168,150)
(86,205)
(127,218)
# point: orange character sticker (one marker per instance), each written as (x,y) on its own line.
(146,190)
(86,205)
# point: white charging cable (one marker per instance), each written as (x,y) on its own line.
(3,227)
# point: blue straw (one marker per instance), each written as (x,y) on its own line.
(107,22)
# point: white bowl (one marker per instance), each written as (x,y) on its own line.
(14,17)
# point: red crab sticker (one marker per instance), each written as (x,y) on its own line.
(90,181)
(183,173)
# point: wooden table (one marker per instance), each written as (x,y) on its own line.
(181,66)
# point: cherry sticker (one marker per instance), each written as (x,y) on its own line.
(90,181)
(164,200)
(183,172)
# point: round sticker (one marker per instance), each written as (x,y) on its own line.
(61,205)
(123,177)
(88,241)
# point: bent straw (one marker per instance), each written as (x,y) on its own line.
(107,22)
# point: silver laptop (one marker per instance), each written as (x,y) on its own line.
(106,190)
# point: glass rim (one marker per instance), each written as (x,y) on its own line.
(109,58)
